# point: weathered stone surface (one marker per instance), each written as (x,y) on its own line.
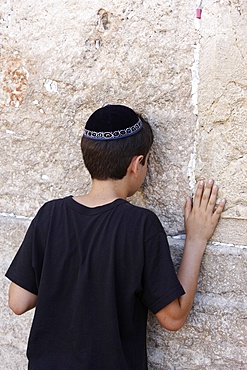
(222,134)
(131,53)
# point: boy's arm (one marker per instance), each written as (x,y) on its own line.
(200,223)
(21,300)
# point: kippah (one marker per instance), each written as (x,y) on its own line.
(112,122)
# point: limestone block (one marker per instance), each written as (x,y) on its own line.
(222,131)
(223,270)
(61,61)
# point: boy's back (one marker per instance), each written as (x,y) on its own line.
(94,264)
(94,284)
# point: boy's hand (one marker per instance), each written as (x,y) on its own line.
(202,218)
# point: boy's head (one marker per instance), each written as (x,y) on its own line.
(113,135)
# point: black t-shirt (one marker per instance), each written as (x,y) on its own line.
(96,272)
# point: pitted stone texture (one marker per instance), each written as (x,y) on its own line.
(222,134)
(137,53)
(39,162)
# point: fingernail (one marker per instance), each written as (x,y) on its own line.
(210,181)
(201,182)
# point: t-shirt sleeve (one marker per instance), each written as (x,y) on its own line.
(160,283)
(21,270)
(26,267)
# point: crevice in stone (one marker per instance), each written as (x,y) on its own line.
(194,99)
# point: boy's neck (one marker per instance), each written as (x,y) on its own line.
(103,192)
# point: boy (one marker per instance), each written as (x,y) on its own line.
(93,265)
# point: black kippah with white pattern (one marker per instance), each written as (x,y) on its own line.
(112,122)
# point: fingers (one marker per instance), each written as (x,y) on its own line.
(206,196)
(187,207)
(212,199)
(219,210)
(207,193)
(202,218)
(198,194)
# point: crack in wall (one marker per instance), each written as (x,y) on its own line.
(17,217)
(194,99)
(181,238)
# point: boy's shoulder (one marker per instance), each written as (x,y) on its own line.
(50,204)
(138,214)
(48,208)
(139,210)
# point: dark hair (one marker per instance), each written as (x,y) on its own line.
(110,159)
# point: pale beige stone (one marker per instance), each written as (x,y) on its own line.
(222,134)
(88,55)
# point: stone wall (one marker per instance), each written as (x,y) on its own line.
(61,60)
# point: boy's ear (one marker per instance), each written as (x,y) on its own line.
(135,163)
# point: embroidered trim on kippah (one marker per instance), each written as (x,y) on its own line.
(113,135)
